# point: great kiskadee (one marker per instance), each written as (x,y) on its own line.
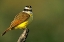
(21,20)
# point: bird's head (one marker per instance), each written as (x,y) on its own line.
(28,8)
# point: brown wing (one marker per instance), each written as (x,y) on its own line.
(19,18)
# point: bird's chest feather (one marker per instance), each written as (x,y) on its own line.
(24,24)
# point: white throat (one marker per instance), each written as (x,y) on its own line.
(29,12)
(28,8)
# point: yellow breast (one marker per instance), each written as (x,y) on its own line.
(24,24)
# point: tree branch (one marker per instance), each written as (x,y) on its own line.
(24,35)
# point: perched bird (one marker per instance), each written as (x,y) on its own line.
(21,20)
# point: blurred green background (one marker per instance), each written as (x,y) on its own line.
(48,23)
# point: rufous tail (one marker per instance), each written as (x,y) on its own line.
(5,31)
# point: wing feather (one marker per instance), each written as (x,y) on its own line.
(19,18)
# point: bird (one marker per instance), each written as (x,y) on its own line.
(21,20)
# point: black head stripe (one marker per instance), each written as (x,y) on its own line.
(27,10)
(29,6)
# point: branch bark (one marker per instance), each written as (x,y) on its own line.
(24,35)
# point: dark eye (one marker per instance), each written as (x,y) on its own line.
(30,6)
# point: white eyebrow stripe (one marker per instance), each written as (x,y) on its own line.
(27,8)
